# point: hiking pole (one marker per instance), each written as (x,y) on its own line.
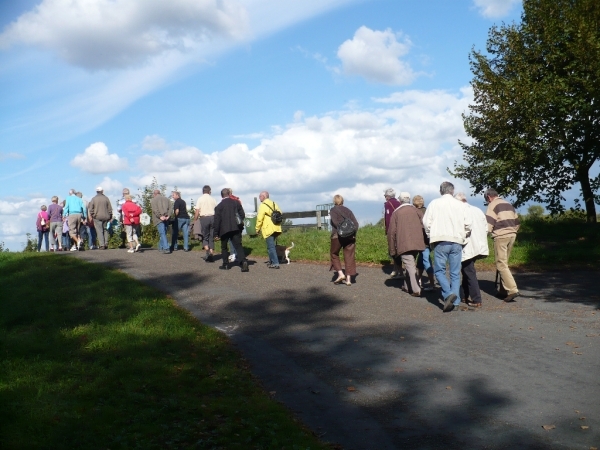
(496,282)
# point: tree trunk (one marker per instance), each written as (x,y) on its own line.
(588,195)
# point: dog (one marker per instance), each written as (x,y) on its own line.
(283,252)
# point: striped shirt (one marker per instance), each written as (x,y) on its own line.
(502,219)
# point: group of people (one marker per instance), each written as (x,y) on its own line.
(456,233)
(450,229)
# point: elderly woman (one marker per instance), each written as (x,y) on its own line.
(405,241)
(391,204)
(43,227)
(424,261)
(337,215)
(131,219)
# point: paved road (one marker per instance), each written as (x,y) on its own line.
(369,367)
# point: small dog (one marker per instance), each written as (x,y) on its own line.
(283,252)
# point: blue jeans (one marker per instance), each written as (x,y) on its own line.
(184,226)
(424,261)
(452,253)
(163,244)
(44,235)
(271,250)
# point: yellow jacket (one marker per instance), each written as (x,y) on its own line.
(265,224)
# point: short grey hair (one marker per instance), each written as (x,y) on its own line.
(491,192)
(72,191)
(389,193)
(447,188)
(404,197)
(460,196)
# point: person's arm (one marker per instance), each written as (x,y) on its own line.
(427,221)
(260,217)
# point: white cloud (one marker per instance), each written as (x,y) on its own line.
(495,8)
(11,155)
(376,56)
(96,159)
(108,34)
(154,142)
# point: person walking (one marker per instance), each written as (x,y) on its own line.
(205,210)
(268,229)
(503,224)
(447,223)
(337,215)
(43,227)
(424,260)
(101,212)
(55,211)
(161,211)
(475,248)
(181,223)
(391,204)
(228,225)
(75,212)
(131,220)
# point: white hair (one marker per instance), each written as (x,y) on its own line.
(460,196)
(404,197)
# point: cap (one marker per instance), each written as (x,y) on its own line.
(99,189)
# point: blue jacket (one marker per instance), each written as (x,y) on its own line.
(74,205)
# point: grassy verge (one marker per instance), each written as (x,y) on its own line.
(541,244)
(94,359)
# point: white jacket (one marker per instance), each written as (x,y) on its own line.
(477,243)
(447,219)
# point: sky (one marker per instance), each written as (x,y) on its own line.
(305,99)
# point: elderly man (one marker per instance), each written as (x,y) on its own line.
(229,222)
(405,241)
(475,248)
(182,221)
(391,204)
(75,212)
(161,211)
(503,224)
(447,223)
(100,210)
(269,230)
(205,209)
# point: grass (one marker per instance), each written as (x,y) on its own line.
(541,244)
(94,359)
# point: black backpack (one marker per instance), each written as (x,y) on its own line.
(276,215)
(346,228)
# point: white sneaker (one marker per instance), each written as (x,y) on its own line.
(137,247)
(393,274)
(74,248)
(131,250)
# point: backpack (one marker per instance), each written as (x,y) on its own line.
(346,228)
(276,215)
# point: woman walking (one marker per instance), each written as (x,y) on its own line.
(43,227)
(338,214)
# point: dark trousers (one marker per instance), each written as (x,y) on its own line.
(349,246)
(470,284)
(236,238)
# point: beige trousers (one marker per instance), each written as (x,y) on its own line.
(502,247)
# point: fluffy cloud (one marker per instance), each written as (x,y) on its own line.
(495,8)
(376,56)
(96,159)
(108,34)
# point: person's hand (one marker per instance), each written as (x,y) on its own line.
(217,238)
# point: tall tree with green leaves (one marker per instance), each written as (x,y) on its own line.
(535,120)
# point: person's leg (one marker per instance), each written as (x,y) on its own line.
(273,260)
(174,234)
(420,268)
(184,226)
(73,222)
(440,254)
(236,238)
(52,238)
(211,234)
(225,240)
(502,247)
(470,282)
(46,233)
(349,257)
(100,226)
(334,255)
(410,282)
(427,265)
(454,257)
(163,244)
(39,242)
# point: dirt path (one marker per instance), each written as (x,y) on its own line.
(369,367)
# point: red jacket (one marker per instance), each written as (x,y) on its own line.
(131,213)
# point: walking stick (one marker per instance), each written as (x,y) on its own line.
(496,282)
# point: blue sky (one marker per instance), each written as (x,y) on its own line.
(303,98)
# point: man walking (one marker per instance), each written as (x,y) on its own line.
(161,211)
(74,211)
(447,223)
(503,224)
(391,204)
(229,222)
(475,248)
(100,210)
(181,223)
(269,230)
(205,209)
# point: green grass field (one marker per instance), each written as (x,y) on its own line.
(94,359)
(541,244)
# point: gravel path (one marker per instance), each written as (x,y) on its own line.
(369,367)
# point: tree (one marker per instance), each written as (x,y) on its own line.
(535,121)
(535,212)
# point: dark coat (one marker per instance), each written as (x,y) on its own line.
(225,220)
(335,216)
(405,233)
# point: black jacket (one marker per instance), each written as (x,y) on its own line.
(225,220)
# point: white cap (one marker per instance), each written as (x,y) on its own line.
(99,189)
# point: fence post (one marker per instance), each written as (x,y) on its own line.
(318,220)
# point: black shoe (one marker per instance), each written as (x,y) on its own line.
(224,267)
(166,252)
(449,303)
(511,297)
(245,266)
(209,257)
